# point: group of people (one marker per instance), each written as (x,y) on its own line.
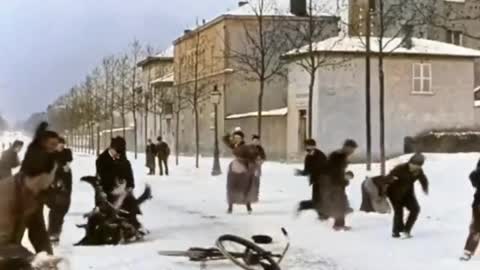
(45,179)
(329,178)
(160,151)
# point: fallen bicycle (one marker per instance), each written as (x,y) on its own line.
(252,256)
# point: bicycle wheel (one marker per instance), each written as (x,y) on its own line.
(251,258)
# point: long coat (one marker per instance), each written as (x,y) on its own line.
(334,202)
(243,177)
(150,153)
(315,165)
(20,210)
(8,161)
(374,197)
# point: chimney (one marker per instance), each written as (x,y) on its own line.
(407,38)
(186,31)
(242,3)
(298,7)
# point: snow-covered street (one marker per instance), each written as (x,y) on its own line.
(189,209)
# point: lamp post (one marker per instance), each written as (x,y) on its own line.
(215,99)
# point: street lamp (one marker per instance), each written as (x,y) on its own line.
(215,96)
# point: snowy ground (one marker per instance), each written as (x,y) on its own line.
(189,209)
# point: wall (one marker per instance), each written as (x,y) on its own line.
(274,138)
(340,101)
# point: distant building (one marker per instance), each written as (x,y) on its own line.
(428,86)
(208,49)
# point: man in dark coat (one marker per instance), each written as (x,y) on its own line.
(474,236)
(402,194)
(150,154)
(163,152)
(336,202)
(114,170)
(315,166)
(10,160)
(60,191)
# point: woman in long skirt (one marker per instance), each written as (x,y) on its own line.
(243,178)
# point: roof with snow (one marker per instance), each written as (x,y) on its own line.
(282,8)
(165,80)
(276,112)
(166,55)
(347,44)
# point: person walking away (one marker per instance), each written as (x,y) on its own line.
(374,194)
(334,200)
(150,153)
(22,196)
(114,170)
(315,165)
(402,194)
(60,192)
(243,173)
(473,238)
(163,152)
(10,160)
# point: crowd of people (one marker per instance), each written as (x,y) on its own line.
(45,179)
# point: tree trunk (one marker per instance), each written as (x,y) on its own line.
(310,103)
(112,106)
(368,124)
(381,77)
(98,139)
(145,129)
(124,121)
(260,108)
(177,136)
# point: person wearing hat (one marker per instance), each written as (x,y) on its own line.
(114,170)
(402,194)
(10,160)
(315,165)
(334,200)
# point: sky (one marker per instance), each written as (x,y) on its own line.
(47,46)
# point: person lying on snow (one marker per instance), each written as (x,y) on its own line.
(22,198)
(116,205)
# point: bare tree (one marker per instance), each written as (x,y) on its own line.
(136,49)
(259,57)
(303,34)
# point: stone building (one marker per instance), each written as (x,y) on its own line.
(420,94)
(207,56)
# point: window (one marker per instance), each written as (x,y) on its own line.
(476,97)
(455,37)
(422,79)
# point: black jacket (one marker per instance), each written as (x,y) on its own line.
(475,180)
(404,184)
(110,171)
(8,161)
(37,161)
(337,167)
(261,152)
(62,175)
(314,165)
(162,150)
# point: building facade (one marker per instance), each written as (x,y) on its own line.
(420,94)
